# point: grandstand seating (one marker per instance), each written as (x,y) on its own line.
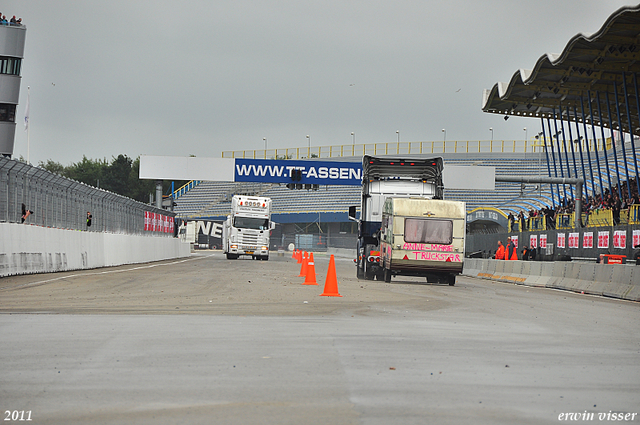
(212,199)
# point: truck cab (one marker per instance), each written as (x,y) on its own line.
(384,177)
(247,229)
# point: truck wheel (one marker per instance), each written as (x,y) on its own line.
(452,279)
(359,272)
(387,275)
(368,274)
(265,258)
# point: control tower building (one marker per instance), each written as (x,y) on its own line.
(12,39)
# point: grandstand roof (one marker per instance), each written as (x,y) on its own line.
(590,67)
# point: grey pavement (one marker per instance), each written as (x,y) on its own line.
(488,354)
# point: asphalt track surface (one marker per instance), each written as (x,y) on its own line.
(205,340)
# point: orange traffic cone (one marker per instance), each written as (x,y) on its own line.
(303,269)
(310,279)
(331,283)
(293,253)
(299,257)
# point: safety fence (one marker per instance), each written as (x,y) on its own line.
(32,195)
(400,148)
(207,234)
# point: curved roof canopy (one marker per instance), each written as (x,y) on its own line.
(587,78)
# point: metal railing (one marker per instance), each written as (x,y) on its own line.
(595,218)
(398,148)
(185,188)
(59,202)
(532,224)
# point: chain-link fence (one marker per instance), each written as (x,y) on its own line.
(316,242)
(49,200)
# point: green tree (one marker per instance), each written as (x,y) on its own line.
(139,189)
(120,176)
(116,175)
(87,171)
(52,166)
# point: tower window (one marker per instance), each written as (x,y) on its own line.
(7,112)
(10,65)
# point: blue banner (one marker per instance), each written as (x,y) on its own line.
(310,171)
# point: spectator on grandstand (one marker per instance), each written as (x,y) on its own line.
(13,20)
(616,210)
(523,221)
(549,215)
(3,20)
(500,251)
(89,217)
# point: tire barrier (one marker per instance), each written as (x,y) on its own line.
(609,280)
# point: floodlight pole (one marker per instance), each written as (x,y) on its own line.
(28,118)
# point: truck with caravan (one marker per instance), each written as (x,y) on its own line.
(247,229)
(405,228)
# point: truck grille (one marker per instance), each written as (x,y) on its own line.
(248,239)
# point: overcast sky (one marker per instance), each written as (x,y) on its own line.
(201,77)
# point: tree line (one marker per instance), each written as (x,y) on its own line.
(120,175)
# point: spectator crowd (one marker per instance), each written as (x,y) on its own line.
(11,22)
(610,200)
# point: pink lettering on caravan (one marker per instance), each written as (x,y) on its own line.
(437,256)
(427,247)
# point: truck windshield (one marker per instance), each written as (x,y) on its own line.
(418,230)
(251,223)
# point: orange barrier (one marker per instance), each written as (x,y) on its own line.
(310,279)
(331,283)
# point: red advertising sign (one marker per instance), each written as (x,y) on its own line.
(603,240)
(620,239)
(561,240)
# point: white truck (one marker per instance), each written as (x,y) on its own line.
(393,177)
(247,229)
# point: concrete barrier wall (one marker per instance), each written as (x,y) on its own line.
(34,249)
(609,280)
